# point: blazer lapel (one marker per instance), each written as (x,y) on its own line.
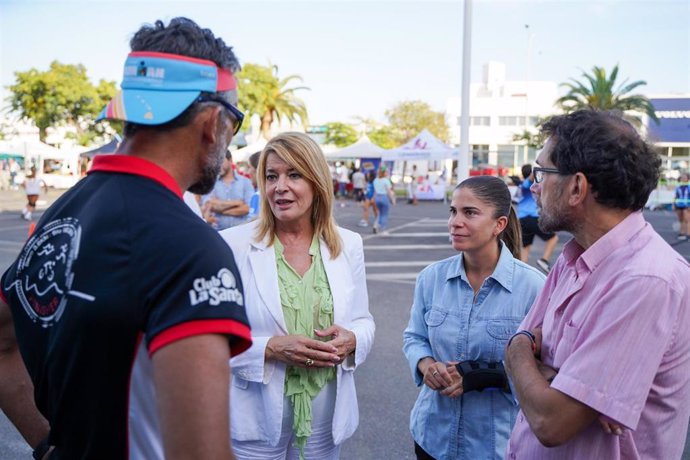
(263,264)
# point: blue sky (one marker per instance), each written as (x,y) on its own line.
(361,57)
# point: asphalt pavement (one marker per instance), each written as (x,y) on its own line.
(386,392)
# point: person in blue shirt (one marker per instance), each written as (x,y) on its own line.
(228,203)
(254,201)
(465,309)
(681,204)
(528,213)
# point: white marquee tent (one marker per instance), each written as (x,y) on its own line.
(424,146)
(363,148)
(244,153)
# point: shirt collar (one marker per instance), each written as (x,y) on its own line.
(618,236)
(503,273)
(128,164)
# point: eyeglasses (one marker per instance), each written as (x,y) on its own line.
(237,115)
(539,173)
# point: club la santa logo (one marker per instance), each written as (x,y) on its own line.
(216,289)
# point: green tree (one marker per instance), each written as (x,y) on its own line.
(384,137)
(599,92)
(340,134)
(61,95)
(263,93)
(532,137)
(408,118)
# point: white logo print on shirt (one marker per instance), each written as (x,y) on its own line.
(219,288)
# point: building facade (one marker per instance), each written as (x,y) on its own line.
(500,110)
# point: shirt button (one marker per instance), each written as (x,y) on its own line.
(512,455)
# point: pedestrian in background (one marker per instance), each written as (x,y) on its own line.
(293,391)
(227,204)
(369,202)
(32,186)
(384,197)
(681,205)
(465,308)
(254,202)
(528,213)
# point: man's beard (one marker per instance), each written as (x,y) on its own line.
(213,166)
(209,172)
(557,218)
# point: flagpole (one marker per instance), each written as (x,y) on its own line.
(463,160)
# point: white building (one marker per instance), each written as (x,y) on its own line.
(499,110)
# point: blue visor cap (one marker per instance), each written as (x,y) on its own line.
(157,87)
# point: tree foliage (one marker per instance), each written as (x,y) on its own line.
(263,93)
(340,134)
(62,95)
(598,91)
(408,118)
(532,137)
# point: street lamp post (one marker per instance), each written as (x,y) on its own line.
(463,159)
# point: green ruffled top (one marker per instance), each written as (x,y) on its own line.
(307,305)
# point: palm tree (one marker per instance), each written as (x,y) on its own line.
(598,93)
(262,93)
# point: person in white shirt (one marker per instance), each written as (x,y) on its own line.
(32,186)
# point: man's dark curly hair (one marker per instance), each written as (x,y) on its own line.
(184,37)
(622,168)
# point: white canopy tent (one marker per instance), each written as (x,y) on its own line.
(424,146)
(245,152)
(58,168)
(31,148)
(363,148)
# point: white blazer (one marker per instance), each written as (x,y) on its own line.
(257,386)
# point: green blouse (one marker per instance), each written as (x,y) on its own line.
(307,305)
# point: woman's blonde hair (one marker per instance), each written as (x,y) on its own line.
(304,155)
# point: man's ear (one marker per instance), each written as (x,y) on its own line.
(208,121)
(578,189)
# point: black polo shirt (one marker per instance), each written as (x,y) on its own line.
(118,261)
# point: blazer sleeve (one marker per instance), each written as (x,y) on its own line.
(362,323)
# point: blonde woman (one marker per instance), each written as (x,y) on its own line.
(307,303)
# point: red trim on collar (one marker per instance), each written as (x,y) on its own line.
(128,164)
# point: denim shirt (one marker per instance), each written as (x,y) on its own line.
(448,323)
(239,189)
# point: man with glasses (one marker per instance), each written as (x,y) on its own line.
(601,363)
(126,306)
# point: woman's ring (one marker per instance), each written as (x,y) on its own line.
(309,362)
(435,373)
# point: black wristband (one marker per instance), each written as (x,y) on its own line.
(531,336)
(41,449)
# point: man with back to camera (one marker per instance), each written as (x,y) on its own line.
(124,302)
(227,204)
(608,338)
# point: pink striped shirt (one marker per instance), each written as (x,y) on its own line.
(616,324)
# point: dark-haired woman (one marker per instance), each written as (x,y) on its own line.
(465,309)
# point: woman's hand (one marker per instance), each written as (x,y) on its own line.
(435,374)
(301,351)
(343,340)
(455,389)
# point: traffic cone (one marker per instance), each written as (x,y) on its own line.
(32,227)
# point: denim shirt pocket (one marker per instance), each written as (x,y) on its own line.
(500,330)
(440,332)
(434,317)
